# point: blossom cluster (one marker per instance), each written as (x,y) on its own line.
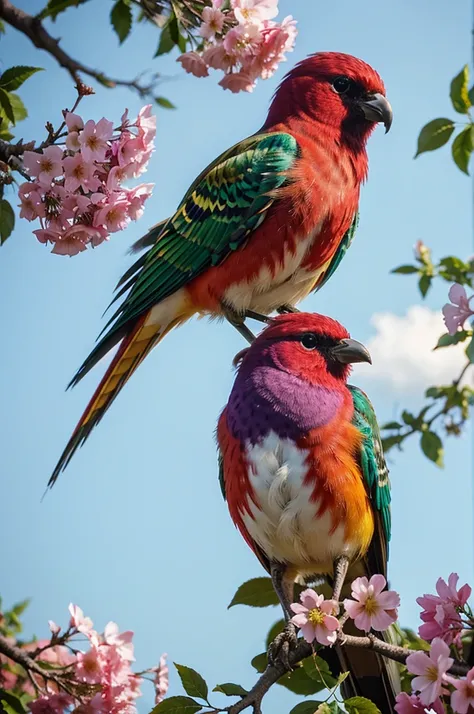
(76,191)
(99,679)
(243,41)
(458,310)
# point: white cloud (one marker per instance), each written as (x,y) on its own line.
(402,350)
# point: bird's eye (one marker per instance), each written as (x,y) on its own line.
(309,341)
(342,85)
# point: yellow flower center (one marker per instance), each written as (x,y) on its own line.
(46,165)
(432,673)
(371,606)
(92,142)
(79,172)
(316,616)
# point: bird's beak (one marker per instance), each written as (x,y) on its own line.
(376,107)
(349,351)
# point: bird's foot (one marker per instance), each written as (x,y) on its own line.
(238,321)
(287,309)
(282,646)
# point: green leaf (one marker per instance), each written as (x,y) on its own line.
(392,425)
(274,631)
(408,417)
(6,135)
(470,351)
(7,220)
(230,690)
(424,284)
(432,447)
(309,707)
(259,662)
(360,705)
(462,149)
(166,42)
(14,77)
(318,669)
(405,270)
(6,105)
(299,682)
(176,35)
(54,7)
(11,703)
(121,19)
(177,705)
(389,442)
(460,91)
(447,339)
(20,607)
(193,683)
(434,135)
(19,109)
(165,103)
(257,592)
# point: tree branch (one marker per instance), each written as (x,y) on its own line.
(33,28)
(304,649)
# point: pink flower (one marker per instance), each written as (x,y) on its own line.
(93,139)
(194,64)
(463,696)
(276,41)
(137,197)
(217,57)
(77,204)
(243,41)
(81,623)
(238,82)
(113,216)
(32,205)
(455,315)
(79,174)
(74,122)
(430,670)
(314,616)
(406,704)
(254,11)
(122,641)
(372,608)
(88,667)
(44,166)
(52,704)
(54,628)
(146,123)
(161,680)
(213,22)
(440,612)
(46,235)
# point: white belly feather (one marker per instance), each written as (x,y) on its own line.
(285,524)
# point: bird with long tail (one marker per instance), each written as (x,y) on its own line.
(304,475)
(260,228)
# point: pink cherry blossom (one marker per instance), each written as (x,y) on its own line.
(463,696)
(74,122)
(32,206)
(44,166)
(46,235)
(54,628)
(315,617)
(212,24)
(411,704)
(81,623)
(372,608)
(194,64)
(146,124)
(243,41)
(449,592)
(430,671)
(456,314)
(93,139)
(440,613)
(121,640)
(136,198)
(217,57)
(113,215)
(254,11)
(238,82)
(161,679)
(72,141)
(52,704)
(79,173)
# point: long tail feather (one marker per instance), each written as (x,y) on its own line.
(148,239)
(135,346)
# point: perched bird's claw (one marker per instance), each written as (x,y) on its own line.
(287,310)
(282,646)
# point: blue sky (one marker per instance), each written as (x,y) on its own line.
(136,530)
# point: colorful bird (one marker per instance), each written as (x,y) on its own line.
(261,227)
(304,475)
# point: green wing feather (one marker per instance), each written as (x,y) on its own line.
(226,202)
(375,473)
(342,249)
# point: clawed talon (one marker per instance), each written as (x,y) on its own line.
(287,309)
(282,646)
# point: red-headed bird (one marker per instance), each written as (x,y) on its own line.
(261,227)
(304,475)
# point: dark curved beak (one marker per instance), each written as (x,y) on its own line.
(376,108)
(349,351)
